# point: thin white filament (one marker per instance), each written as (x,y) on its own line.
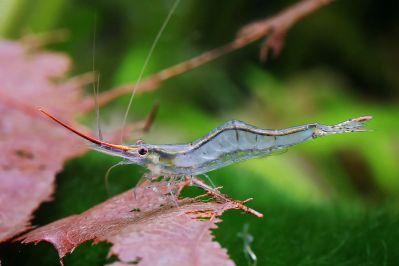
(106,177)
(96,85)
(155,42)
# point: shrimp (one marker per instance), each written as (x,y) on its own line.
(230,143)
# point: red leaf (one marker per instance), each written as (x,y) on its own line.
(144,225)
(33,150)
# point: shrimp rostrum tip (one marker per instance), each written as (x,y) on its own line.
(232,142)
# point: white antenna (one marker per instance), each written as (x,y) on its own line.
(158,36)
(96,85)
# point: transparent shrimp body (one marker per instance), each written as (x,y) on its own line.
(232,142)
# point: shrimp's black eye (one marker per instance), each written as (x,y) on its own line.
(142,151)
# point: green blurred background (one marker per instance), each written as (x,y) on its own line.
(332,201)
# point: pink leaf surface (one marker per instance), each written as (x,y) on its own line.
(145,226)
(33,149)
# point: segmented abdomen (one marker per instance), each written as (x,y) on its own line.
(236,141)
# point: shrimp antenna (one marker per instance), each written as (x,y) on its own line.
(107,174)
(96,86)
(91,139)
(155,42)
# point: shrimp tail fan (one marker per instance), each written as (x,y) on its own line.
(352,125)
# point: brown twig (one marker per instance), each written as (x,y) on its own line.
(274,27)
(150,118)
(35,41)
(82,80)
(277,26)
